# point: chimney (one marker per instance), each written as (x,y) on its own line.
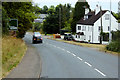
(97,10)
(86,10)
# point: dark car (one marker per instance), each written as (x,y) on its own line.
(68,37)
(37,37)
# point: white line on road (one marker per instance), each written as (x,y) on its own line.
(88,64)
(80,58)
(68,51)
(54,45)
(100,72)
(73,54)
(58,47)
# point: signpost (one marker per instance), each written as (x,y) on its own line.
(13,24)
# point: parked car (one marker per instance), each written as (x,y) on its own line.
(68,36)
(37,37)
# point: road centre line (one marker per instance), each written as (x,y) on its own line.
(73,54)
(68,51)
(80,58)
(99,72)
(88,64)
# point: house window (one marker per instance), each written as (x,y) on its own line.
(90,38)
(99,28)
(107,17)
(84,37)
(98,38)
(79,27)
(83,28)
(108,28)
(78,36)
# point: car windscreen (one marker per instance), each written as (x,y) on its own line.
(37,34)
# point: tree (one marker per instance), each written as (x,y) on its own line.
(37,26)
(37,9)
(59,18)
(51,10)
(44,10)
(23,11)
(78,13)
(51,24)
(5,20)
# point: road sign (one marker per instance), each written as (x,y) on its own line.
(13,24)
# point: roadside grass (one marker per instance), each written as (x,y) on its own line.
(99,47)
(13,50)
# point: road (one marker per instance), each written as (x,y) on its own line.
(63,60)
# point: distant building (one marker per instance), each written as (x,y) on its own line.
(118,6)
(41,18)
(89,27)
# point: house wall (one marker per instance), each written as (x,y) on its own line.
(87,30)
(105,24)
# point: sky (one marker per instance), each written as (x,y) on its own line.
(104,3)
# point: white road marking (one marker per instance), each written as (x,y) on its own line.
(54,46)
(88,64)
(80,58)
(58,47)
(73,54)
(68,51)
(100,72)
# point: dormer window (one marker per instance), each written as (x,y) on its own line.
(85,17)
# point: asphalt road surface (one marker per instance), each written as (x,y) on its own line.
(63,60)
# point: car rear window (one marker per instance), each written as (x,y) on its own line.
(37,34)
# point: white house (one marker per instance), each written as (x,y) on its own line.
(41,18)
(89,27)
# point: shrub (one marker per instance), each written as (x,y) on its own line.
(114,46)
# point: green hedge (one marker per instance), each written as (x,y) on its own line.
(114,46)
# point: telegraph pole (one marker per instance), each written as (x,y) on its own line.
(101,36)
(60,19)
(110,35)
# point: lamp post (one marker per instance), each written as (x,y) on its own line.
(110,35)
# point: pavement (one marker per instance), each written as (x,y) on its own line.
(63,60)
(30,66)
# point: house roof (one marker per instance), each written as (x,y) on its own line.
(91,20)
(43,16)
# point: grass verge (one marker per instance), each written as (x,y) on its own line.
(99,47)
(13,50)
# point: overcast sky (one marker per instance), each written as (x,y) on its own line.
(105,4)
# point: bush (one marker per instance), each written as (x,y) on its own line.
(114,46)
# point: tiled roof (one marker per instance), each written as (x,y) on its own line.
(91,20)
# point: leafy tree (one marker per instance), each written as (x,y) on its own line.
(78,13)
(57,15)
(23,11)
(44,10)
(37,9)
(51,10)
(51,24)
(5,21)
(36,26)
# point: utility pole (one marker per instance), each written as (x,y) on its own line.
(101,36)
(60,19)
(110,35)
